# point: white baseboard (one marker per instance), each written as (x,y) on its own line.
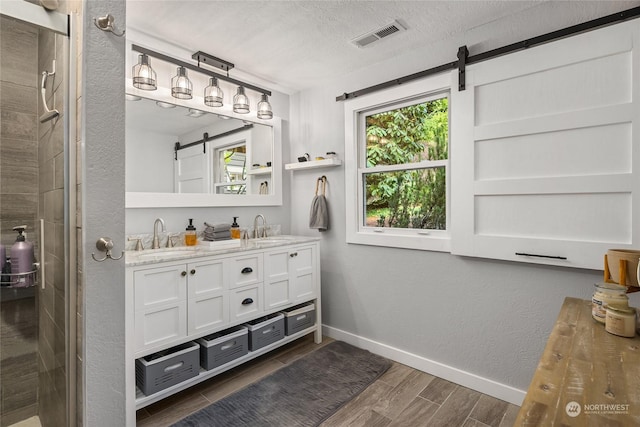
(449,373)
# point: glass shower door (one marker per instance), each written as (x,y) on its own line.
(34,313)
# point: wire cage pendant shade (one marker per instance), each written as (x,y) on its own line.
(240,102)
(213,95)
(264,108)
(181,86)
(144,77)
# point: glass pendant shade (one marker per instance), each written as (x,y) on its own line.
(240,102)
(143,75)
(213,95)
(181,86)
(264,108)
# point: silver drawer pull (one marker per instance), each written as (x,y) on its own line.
(302,316)
(268,331)
(173,367)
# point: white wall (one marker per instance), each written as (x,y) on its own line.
(487,318)
(149,160)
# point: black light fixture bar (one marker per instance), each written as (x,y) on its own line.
(201,70)
(514,47)
(212,61)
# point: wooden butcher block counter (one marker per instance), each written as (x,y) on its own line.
(586,376)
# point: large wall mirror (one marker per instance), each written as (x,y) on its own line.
(178,156)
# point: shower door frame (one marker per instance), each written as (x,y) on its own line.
(62,24)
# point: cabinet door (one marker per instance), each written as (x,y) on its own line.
(277,290)
(303,275)
(245,270)
(160,306)
(246,303)
(207,303)
(160,325)
(159,286)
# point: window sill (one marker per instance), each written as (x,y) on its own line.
(440,242)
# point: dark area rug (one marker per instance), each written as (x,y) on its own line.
(303,393)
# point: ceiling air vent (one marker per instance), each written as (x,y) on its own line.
(373,36)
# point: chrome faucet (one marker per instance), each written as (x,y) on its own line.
(156,242)
(256,233)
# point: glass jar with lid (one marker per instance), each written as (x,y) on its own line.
(605,295)
(621,321)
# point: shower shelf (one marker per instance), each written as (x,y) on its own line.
(15,280)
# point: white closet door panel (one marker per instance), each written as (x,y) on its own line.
(594,83)
(585,151)
(598,217)
(192,171)
(571,50)
(565,253)
(601,116)
(543,150)
(572,184)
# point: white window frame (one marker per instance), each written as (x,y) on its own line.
(355,153)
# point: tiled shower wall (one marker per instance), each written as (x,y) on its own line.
(18,205)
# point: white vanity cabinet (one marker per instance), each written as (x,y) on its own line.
(172,301)
(290,275)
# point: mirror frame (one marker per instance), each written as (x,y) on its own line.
(174,200)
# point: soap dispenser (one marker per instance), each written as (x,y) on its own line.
(22,259)
(235,229)
(190,236)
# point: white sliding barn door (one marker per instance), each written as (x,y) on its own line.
(543,147)
(192,170)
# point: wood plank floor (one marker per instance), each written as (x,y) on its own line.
(402,396)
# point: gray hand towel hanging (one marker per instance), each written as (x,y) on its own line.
(319,215)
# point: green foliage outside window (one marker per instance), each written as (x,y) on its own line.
(415,197)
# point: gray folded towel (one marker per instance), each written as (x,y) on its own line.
(218,227)
(319,214)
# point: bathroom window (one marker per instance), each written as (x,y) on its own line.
(397,149)
(231,167)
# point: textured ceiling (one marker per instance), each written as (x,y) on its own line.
(297,44)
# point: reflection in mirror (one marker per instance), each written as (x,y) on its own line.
(173,149)
(232,175)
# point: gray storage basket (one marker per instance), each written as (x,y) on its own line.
(265,330)
(299,318)
(167,368)
(223,347)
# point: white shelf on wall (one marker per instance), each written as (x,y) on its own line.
(312,164)
(259,171)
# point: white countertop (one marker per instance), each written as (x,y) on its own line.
(153,256)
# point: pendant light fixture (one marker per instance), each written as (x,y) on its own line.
(264,108)
(240,102)
(143,75)
(181,86)
(213,95)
